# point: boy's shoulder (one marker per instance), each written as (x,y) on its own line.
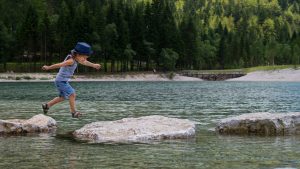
(70,61)
(70,57)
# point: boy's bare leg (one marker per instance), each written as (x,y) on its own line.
(55,101)
(72,102)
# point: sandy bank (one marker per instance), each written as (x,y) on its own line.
(289,75)
(44,77)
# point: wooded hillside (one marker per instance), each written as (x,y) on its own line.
(133,35)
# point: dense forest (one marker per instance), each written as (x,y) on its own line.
(138,35)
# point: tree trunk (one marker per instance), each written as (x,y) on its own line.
(121,66)
(105,62)
(148,64)
(131,65)
(50,58)
(118,66)
(112,65)
(4,66)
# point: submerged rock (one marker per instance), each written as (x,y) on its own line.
(38,123)
(261,124)
(136,129)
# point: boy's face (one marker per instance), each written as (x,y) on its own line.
(81,58)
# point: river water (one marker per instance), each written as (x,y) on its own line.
(202,102)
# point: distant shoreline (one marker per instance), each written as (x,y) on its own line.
(50,77)
(289,75)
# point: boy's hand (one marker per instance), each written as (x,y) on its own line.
(97,66)
(45,67)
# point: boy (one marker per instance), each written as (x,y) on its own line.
(79,54)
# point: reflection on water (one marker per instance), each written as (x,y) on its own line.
(203,102)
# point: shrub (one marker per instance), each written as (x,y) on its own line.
(168,58)
(171,75)
(27,77)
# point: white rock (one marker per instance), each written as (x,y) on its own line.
(38,123)
(136,129)
(261,124)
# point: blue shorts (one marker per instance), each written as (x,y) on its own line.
(64,89)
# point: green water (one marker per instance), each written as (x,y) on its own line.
(202,102)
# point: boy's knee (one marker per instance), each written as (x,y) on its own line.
(73,95)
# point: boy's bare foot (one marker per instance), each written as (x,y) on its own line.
(76,114)
(45,108)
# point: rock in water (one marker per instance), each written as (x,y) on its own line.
(136,129)
(38,123)
(261,124)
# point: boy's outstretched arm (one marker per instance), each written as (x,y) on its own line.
(58,65)
(90,64)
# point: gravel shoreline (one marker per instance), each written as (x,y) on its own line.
(289,75)
(48,77)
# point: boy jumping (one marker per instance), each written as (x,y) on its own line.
(79,54)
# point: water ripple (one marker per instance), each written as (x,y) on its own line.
(203,102)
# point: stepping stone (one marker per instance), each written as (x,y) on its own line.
(261,124)
(140,129)
(36,124)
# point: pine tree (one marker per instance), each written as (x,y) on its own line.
(81,24)
(168,59)
(29,35)
(47,40)
(5,41)
(190,39)
(64,31)
(99,21)
(153,27)
(295,54)
(110,45)
(169,30)
(137,35)
(123,38)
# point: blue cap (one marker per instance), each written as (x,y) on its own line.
(83,49)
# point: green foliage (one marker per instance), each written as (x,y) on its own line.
(208,53)
(129,53)
(29,31)
(27,77)
(146,34)
(171,75)
(168,58)
(296,54)
(5,41)
(44,78)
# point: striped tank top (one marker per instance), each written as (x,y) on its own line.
(66,72)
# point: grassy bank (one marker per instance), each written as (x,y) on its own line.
(275,67)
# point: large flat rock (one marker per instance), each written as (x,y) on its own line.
(261,124)
(38,123)
(136,129)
